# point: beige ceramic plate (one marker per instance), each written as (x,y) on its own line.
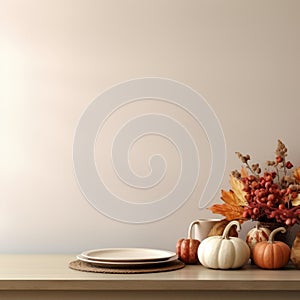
(128,254)
(125,264)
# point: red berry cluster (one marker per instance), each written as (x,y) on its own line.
(267,201)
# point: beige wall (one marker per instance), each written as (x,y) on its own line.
(57,56)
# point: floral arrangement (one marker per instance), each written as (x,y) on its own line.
(269,196)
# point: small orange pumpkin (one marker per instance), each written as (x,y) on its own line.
(186,249)
(270,254)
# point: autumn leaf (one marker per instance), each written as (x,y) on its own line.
(231,209)
(230,198)
(237,187)
(296,201)
(244,172)
(296,174)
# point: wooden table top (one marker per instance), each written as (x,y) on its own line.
(51,272)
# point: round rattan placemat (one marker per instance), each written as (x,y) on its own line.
(87,267)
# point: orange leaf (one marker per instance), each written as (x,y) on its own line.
(296,201)
(296,174)
(244,172)
(230,198)
(231,209)
(237,187)
(230,212)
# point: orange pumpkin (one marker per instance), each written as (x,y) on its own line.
(186,249)
(270,254)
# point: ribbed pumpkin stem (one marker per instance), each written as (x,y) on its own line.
(227,228)
(274,232)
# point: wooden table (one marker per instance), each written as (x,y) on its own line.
(48,277)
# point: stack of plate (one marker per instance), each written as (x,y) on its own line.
(127,257)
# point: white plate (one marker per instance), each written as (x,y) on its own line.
(125,264)
(128,254)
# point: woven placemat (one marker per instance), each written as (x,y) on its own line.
(87,267)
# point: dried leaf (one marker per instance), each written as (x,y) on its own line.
(230,198)
(296,174)
(219,227)
(296,201)
(244,172)
(237,187)
(231,212)
(295,251)
(231,209)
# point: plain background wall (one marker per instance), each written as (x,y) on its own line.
(58,55)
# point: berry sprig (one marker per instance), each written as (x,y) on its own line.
(254,168)
(269,196)
(267,201)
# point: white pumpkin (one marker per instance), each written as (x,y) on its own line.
(256,235)
(224,252)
